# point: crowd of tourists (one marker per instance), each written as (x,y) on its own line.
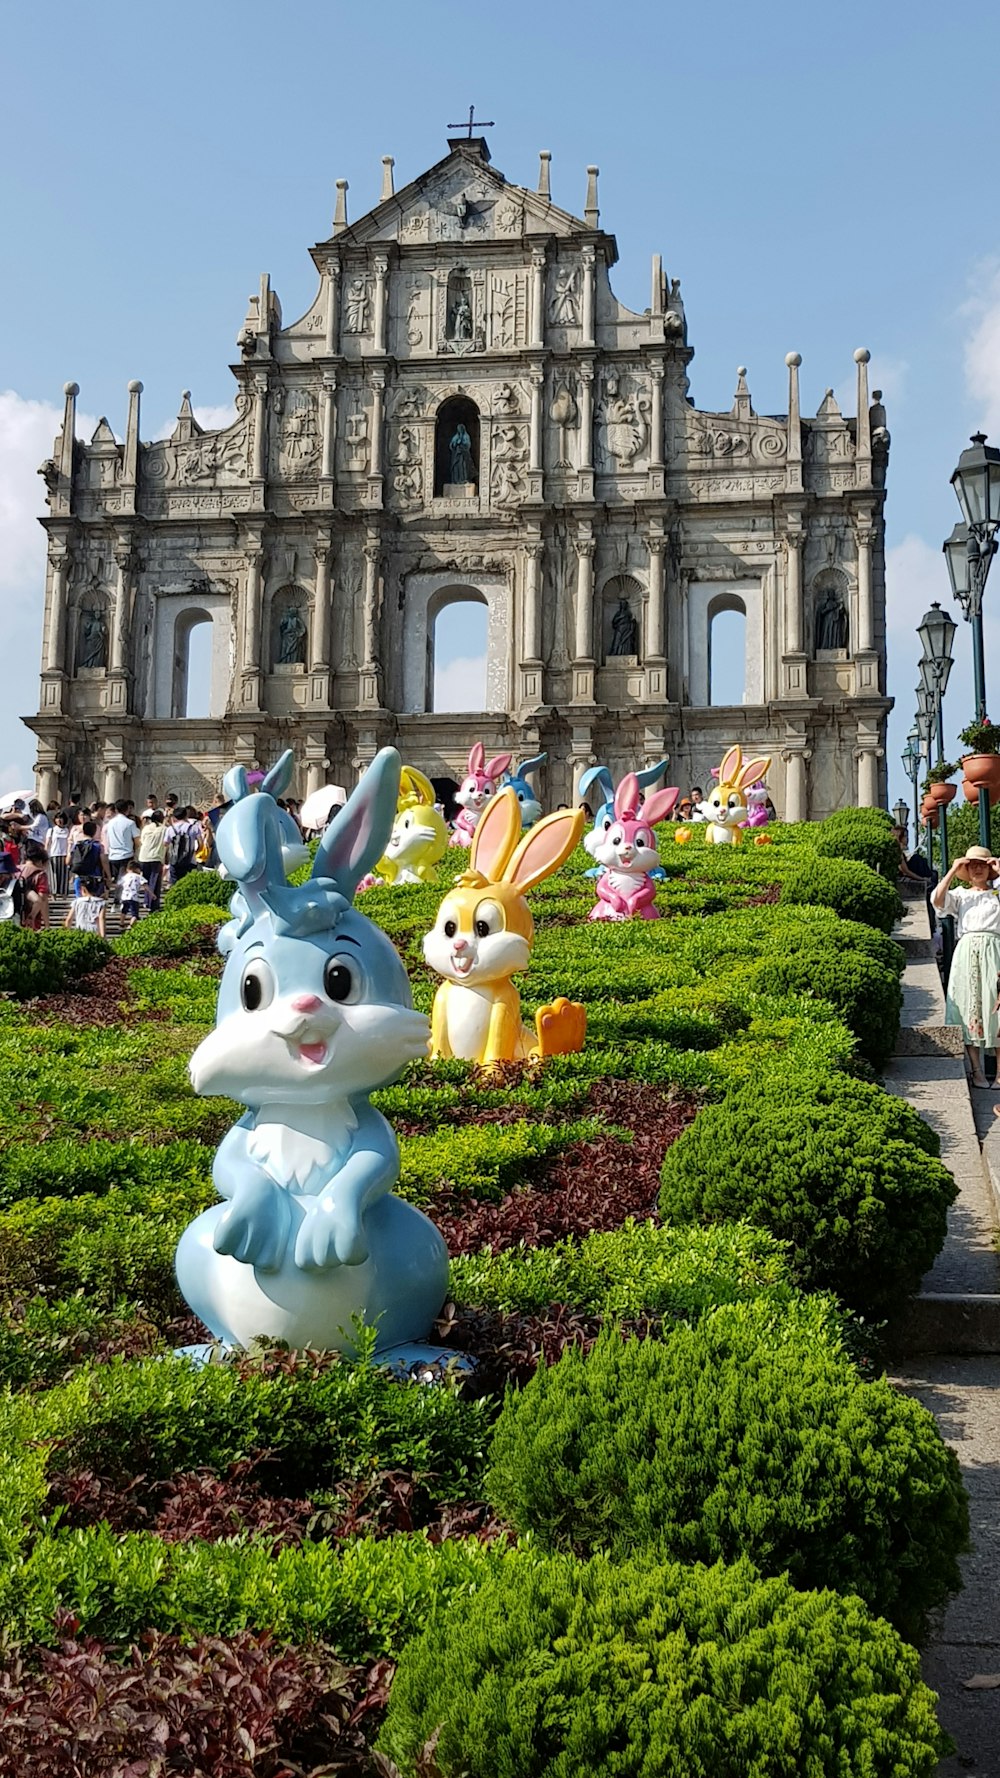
(101,854)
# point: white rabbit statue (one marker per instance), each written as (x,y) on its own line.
(314,1013)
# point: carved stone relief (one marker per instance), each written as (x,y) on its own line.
(502,313)
(411,402)
(357,305)
(408,475)
(299,437)
(510,452)
(564,414)
(356,437)
(623,421)
(414,314)
(564,307)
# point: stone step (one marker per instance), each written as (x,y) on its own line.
(914,945)
(939,1322)
(929,1040)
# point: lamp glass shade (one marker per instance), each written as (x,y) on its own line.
(956,553)
(901,813)
(937,634)
(927,679)
(976,481)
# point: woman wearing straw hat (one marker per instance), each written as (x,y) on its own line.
(973,1001)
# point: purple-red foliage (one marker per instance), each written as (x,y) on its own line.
(508,1345)
(221,1707)
(591,1185)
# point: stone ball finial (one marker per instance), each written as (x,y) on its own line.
(862,355)
(741,370)
(71,388)
(876,394)
(793,360)
(185,395)
(135,387)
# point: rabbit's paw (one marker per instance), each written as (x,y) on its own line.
(329,1237)
(561,1027)
(255,1225)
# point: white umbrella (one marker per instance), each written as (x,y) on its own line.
(315,811)
(10,797)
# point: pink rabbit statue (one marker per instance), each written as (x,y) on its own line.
(628,853)
(475,791)
(758,801)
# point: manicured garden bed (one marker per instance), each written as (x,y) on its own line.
(675,1523)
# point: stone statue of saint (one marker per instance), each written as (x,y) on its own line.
(463,469)
(292,637)
(461,318)
(93,638)
(831,621)
(624,629)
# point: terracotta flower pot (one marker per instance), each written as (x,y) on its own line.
(927,804)
(930,815)
(983,769)
(943,793)
(970,791)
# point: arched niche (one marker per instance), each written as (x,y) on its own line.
(91,633)
(426,596)
(289,627)
(457,412)
(621,618)
(190,692)
(831,604)
(459,324)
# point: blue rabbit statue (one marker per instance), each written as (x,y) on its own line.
(527,795)
(314,1013)
(604,817)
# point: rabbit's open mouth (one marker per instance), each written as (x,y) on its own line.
(462,965)
(313,1053)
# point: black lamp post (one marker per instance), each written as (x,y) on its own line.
(925,728)
(937,633)
(911,766)
(969,551)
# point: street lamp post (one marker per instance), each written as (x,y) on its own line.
(937,633)
(911,766)
(925,726)
(969,551)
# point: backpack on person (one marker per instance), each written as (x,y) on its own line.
(85,859)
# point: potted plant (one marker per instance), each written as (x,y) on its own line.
(936,783)
(981,765)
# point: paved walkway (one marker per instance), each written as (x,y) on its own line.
(951,1339)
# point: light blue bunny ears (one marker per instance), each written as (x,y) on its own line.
(249,841)
(601,776)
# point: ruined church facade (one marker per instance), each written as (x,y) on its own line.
(467,413)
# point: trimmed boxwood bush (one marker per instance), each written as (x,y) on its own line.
(842,1171)
(172,934)
(866,994)
(845,885)
(201,889)
(743,1435)
(865,834)
(563,1670)
(35,963)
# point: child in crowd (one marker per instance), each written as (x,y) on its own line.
(132,890)
(86,913)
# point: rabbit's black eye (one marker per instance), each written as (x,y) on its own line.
(450,928)
(482,929)
(338,979)
(257,986)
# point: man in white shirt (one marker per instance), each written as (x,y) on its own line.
(120,835)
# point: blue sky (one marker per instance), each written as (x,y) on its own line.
(818,178)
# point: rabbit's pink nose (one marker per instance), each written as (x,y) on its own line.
(460,944)
(306,1002)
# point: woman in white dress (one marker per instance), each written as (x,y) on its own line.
(973,999)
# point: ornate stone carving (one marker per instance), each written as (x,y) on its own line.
(564,307)
(411,402)
(507,399)
(300,436)
(624,421)
(510,451)
(414,318)
(508,216)
(92,639)
(716,442)
(356,437)
(408,477)
(357,305)
(564,414)
(502,314)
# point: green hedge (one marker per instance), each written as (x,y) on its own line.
(864,834)
(844,1172)
(866,994)
(563,1670)
(848,887)
(37,963)
(200,888)
(174,934)
(743,1435)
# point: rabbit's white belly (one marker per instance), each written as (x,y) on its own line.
(469,1012)
(625,882)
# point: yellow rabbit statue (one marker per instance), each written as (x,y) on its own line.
(419,838)
(483,936)
(727,804)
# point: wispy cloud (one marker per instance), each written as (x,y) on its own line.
(982,345)
(461,684)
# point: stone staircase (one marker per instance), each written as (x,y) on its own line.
(59,906)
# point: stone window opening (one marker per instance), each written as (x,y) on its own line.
(457,623)
(191,694)
(727,650)
(456,446)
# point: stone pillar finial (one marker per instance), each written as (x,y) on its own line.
(656,305)
(340,213)
(592,214)
(387,186)
(793,447)
(544,170)
(131,462)
(70,391)
(863,447)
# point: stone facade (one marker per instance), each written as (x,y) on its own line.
(467,412)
